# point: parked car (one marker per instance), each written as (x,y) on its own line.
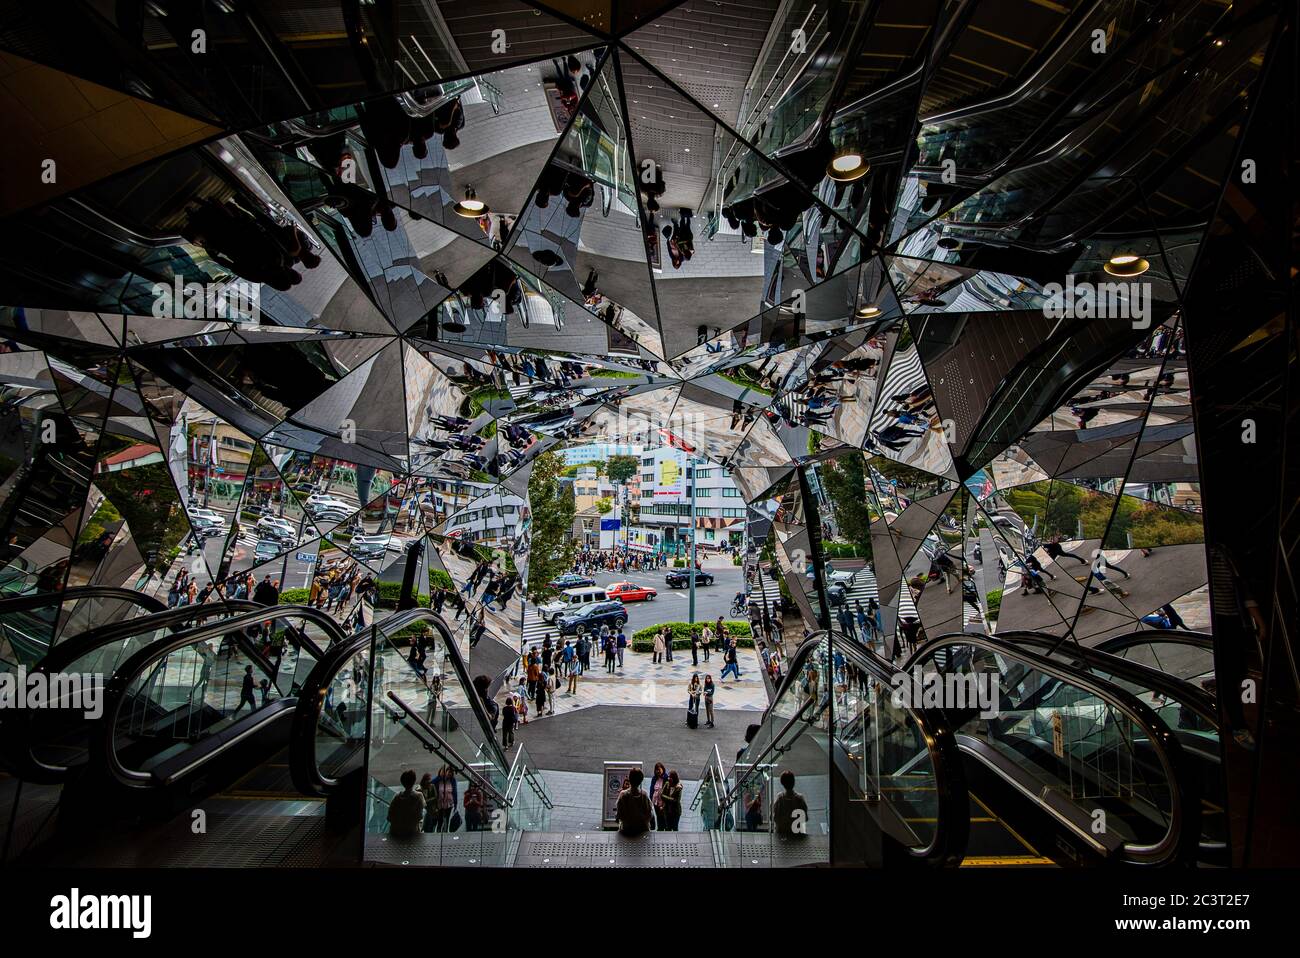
(276,528)
(570,600)
(571,580)
(630,592)
(590,618)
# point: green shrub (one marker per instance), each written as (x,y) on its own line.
(294,596)
(643,640)
(679,563)
(438,579)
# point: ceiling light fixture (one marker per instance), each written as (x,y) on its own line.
(868,311)
(471,206)
(1126,265)
(847,167)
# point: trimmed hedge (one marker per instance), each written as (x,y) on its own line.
(389,592)
(643,640)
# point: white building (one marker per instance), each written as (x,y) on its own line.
(667,478)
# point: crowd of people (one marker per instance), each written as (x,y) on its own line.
(622,561)
(185,590)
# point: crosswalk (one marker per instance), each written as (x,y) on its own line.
(767,589)
(905,375)
(864,587)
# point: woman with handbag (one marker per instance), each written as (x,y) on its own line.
(670,798)
(447,791)
(693,692)
(657,783)
(430,802)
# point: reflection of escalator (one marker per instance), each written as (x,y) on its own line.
(1178,692)
(397,698)
(1062,761)
(885,779)
(176,709)
(44,745)
(30,625)
(329,732)
(1079,766)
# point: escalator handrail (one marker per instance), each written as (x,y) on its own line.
(39,600)
(949,843)
(15,741)
(1182,836)
(303,765)
(1199,640)
(447,751)
(65,653)
(410,617)
(104,735)
(1170,686)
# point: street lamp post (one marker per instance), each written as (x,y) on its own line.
(694,477)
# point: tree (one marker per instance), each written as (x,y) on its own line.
(621,468)
(845,482)
(604,505)
(552,547)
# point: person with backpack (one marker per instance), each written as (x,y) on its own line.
(633,807)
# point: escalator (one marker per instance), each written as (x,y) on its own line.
(1078,765)
(1171,673)
(44,745)
(367,697)
(32,624)
(187,709)
(885,779)
(1063,759)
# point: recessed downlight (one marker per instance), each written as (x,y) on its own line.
(870,311)
(847,167)
(471,206)
(1126,264)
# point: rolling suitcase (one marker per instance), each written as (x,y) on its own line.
(692,718)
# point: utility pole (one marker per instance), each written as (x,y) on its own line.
(694,464)
(212,451)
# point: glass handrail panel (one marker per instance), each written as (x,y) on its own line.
(1066,739)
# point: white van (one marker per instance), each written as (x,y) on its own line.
(571,600)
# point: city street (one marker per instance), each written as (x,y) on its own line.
(671,605)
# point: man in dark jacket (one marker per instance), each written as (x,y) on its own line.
(266,593)
(633,809)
